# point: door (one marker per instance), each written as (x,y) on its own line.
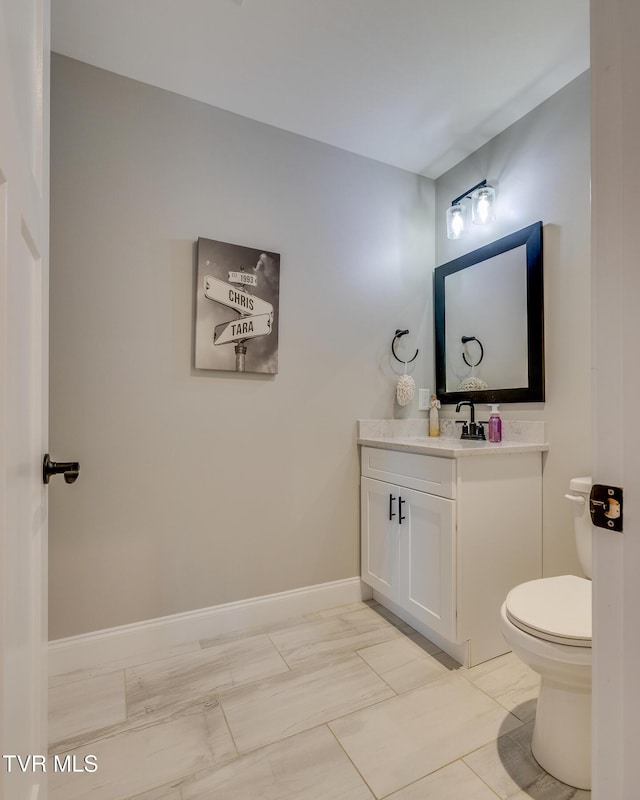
(427,585)
(24,70)
(615,174)
(408,551)
(379,538)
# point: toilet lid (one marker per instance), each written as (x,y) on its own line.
(556,609)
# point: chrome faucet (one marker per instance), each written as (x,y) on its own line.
(472,429)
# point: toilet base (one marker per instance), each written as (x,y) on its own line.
(561,741)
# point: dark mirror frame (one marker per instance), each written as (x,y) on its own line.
(534,392)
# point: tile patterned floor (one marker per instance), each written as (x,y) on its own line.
(345,704)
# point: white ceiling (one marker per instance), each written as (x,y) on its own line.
(418,84)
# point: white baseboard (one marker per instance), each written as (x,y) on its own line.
(90,650)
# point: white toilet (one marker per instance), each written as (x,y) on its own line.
(547,623)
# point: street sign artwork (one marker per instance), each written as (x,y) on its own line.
(237,302)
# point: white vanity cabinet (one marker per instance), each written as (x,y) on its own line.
(408,534)
(444,539)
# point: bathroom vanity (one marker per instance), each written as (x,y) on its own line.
(448,527)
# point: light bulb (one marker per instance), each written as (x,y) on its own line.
(456,218)
(483,205)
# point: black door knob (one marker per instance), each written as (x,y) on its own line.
(70,469)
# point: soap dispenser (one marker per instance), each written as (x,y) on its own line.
(495,424)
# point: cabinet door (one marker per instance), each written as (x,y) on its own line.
(379,536)
(426,582)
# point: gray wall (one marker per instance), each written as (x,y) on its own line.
(540,167)
(199,488)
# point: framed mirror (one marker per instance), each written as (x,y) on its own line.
(489,322)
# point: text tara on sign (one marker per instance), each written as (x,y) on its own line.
(243,328)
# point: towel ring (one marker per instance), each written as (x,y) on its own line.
(466,339)
(400,333)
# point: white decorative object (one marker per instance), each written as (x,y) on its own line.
(405,389)
(472,384)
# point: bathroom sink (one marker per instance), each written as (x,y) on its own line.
(442,441)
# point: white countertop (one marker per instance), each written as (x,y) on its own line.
(450,448)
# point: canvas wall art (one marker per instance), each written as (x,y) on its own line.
(237,307)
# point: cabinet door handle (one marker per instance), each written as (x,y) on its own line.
(392,513)
(400,517)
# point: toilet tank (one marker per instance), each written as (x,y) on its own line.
(579,495)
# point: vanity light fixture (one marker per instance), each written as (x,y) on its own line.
(483,205)
(482,198)
(456,220)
